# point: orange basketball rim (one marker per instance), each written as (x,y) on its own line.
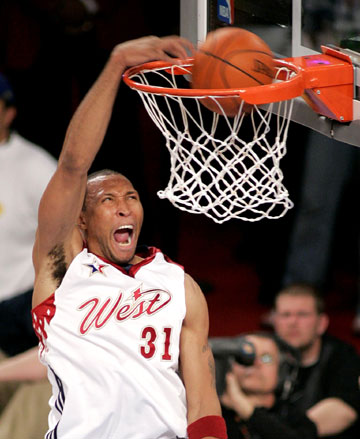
(325,81)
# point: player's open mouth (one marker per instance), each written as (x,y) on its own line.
(123,235)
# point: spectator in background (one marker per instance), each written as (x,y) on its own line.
(253,403)
(25,170)
(327,388)
(329,166)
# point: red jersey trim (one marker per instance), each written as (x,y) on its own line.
(148,255)
(44,312)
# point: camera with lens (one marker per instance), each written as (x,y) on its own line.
(226,350)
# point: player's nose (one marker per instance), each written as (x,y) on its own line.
(123,208)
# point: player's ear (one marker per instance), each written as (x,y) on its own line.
(82,222)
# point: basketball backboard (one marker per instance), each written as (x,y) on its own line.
(291,28)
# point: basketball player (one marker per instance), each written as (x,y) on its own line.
(124,335)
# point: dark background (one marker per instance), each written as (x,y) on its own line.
(52,51)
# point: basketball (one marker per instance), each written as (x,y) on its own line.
(231,57)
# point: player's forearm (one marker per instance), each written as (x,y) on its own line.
(23,367)
(207,407)
(204,410)
(89,124)
(198,370)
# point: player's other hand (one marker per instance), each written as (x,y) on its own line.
(152,48)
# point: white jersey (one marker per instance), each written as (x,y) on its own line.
(111,344)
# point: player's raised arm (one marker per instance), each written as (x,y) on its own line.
(62,201)
(198,368)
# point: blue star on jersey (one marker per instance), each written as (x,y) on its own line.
(95,267)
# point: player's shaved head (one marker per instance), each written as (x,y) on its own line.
(99,176)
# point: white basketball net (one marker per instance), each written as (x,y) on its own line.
(214,170)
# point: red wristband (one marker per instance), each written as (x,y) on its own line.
(213,426)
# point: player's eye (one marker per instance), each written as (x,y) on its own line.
(108,198)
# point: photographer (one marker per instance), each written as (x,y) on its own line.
(255,388)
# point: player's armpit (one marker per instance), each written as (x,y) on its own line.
(332,416)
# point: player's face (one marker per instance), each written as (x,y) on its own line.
(297,320)
(113,218)
(262,376)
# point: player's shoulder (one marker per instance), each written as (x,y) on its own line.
(189,281)
(193,290)
(196,305)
